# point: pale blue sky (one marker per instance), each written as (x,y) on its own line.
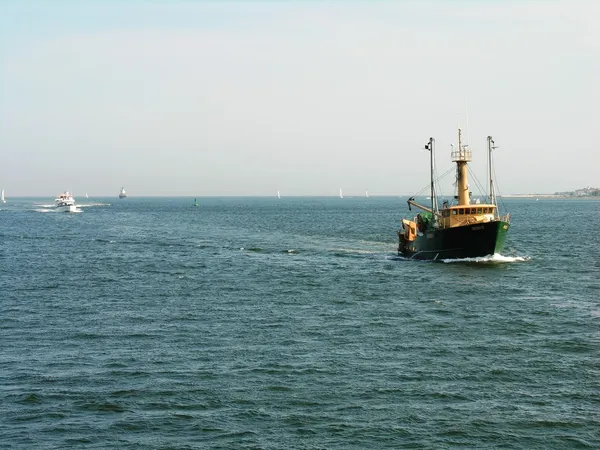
(245,98)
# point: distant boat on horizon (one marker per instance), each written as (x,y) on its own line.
(2,199)
(122,194)
(367,194)
(278,194)
(341,194)
(86,196)
(195,202)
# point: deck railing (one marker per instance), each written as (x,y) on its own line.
(463,154)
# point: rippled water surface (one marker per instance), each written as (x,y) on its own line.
(283,324)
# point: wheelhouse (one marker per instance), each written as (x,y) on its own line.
(458,215)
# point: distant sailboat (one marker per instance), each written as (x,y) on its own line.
(278,194)
(367,194)
(341,195)
(195,202)
(122,194)
(2,197)
(86,196)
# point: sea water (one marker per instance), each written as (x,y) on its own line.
(292,323)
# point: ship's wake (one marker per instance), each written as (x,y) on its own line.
(87,205)
(53,209)
(496,258)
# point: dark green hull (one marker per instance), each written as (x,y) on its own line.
(468,241)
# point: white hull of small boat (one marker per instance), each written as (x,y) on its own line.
(67,208)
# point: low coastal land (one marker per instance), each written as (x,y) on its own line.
(587,192)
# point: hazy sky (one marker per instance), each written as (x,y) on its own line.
(245,98)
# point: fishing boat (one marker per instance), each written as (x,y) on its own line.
(65,202)
(459,229)
(122,194)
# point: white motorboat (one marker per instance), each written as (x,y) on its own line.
(65,202)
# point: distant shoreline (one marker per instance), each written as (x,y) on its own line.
(574,197)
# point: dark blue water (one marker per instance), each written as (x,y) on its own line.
(284,324)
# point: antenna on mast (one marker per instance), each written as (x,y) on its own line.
(467,117)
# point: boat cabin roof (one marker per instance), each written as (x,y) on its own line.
(478,205)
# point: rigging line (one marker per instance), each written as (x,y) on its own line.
(436,184)
(477,183)
(444,175)
(435,180)
(439,186)
(496,186)
(417,194)
(497,189)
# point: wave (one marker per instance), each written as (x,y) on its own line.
(291,251)
(87,205)
(495,258)
(353,250)
(55,210)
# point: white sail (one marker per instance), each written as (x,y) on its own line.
(341,195)
(2,197)
(278,194)
(367,194)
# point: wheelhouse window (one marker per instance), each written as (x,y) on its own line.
(461,211)
(479,210)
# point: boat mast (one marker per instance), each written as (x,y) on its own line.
(431,147)
(461,157)
(490,148)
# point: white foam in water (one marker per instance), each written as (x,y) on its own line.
(353,250)
(495,258)
(87,205)
(53,209)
